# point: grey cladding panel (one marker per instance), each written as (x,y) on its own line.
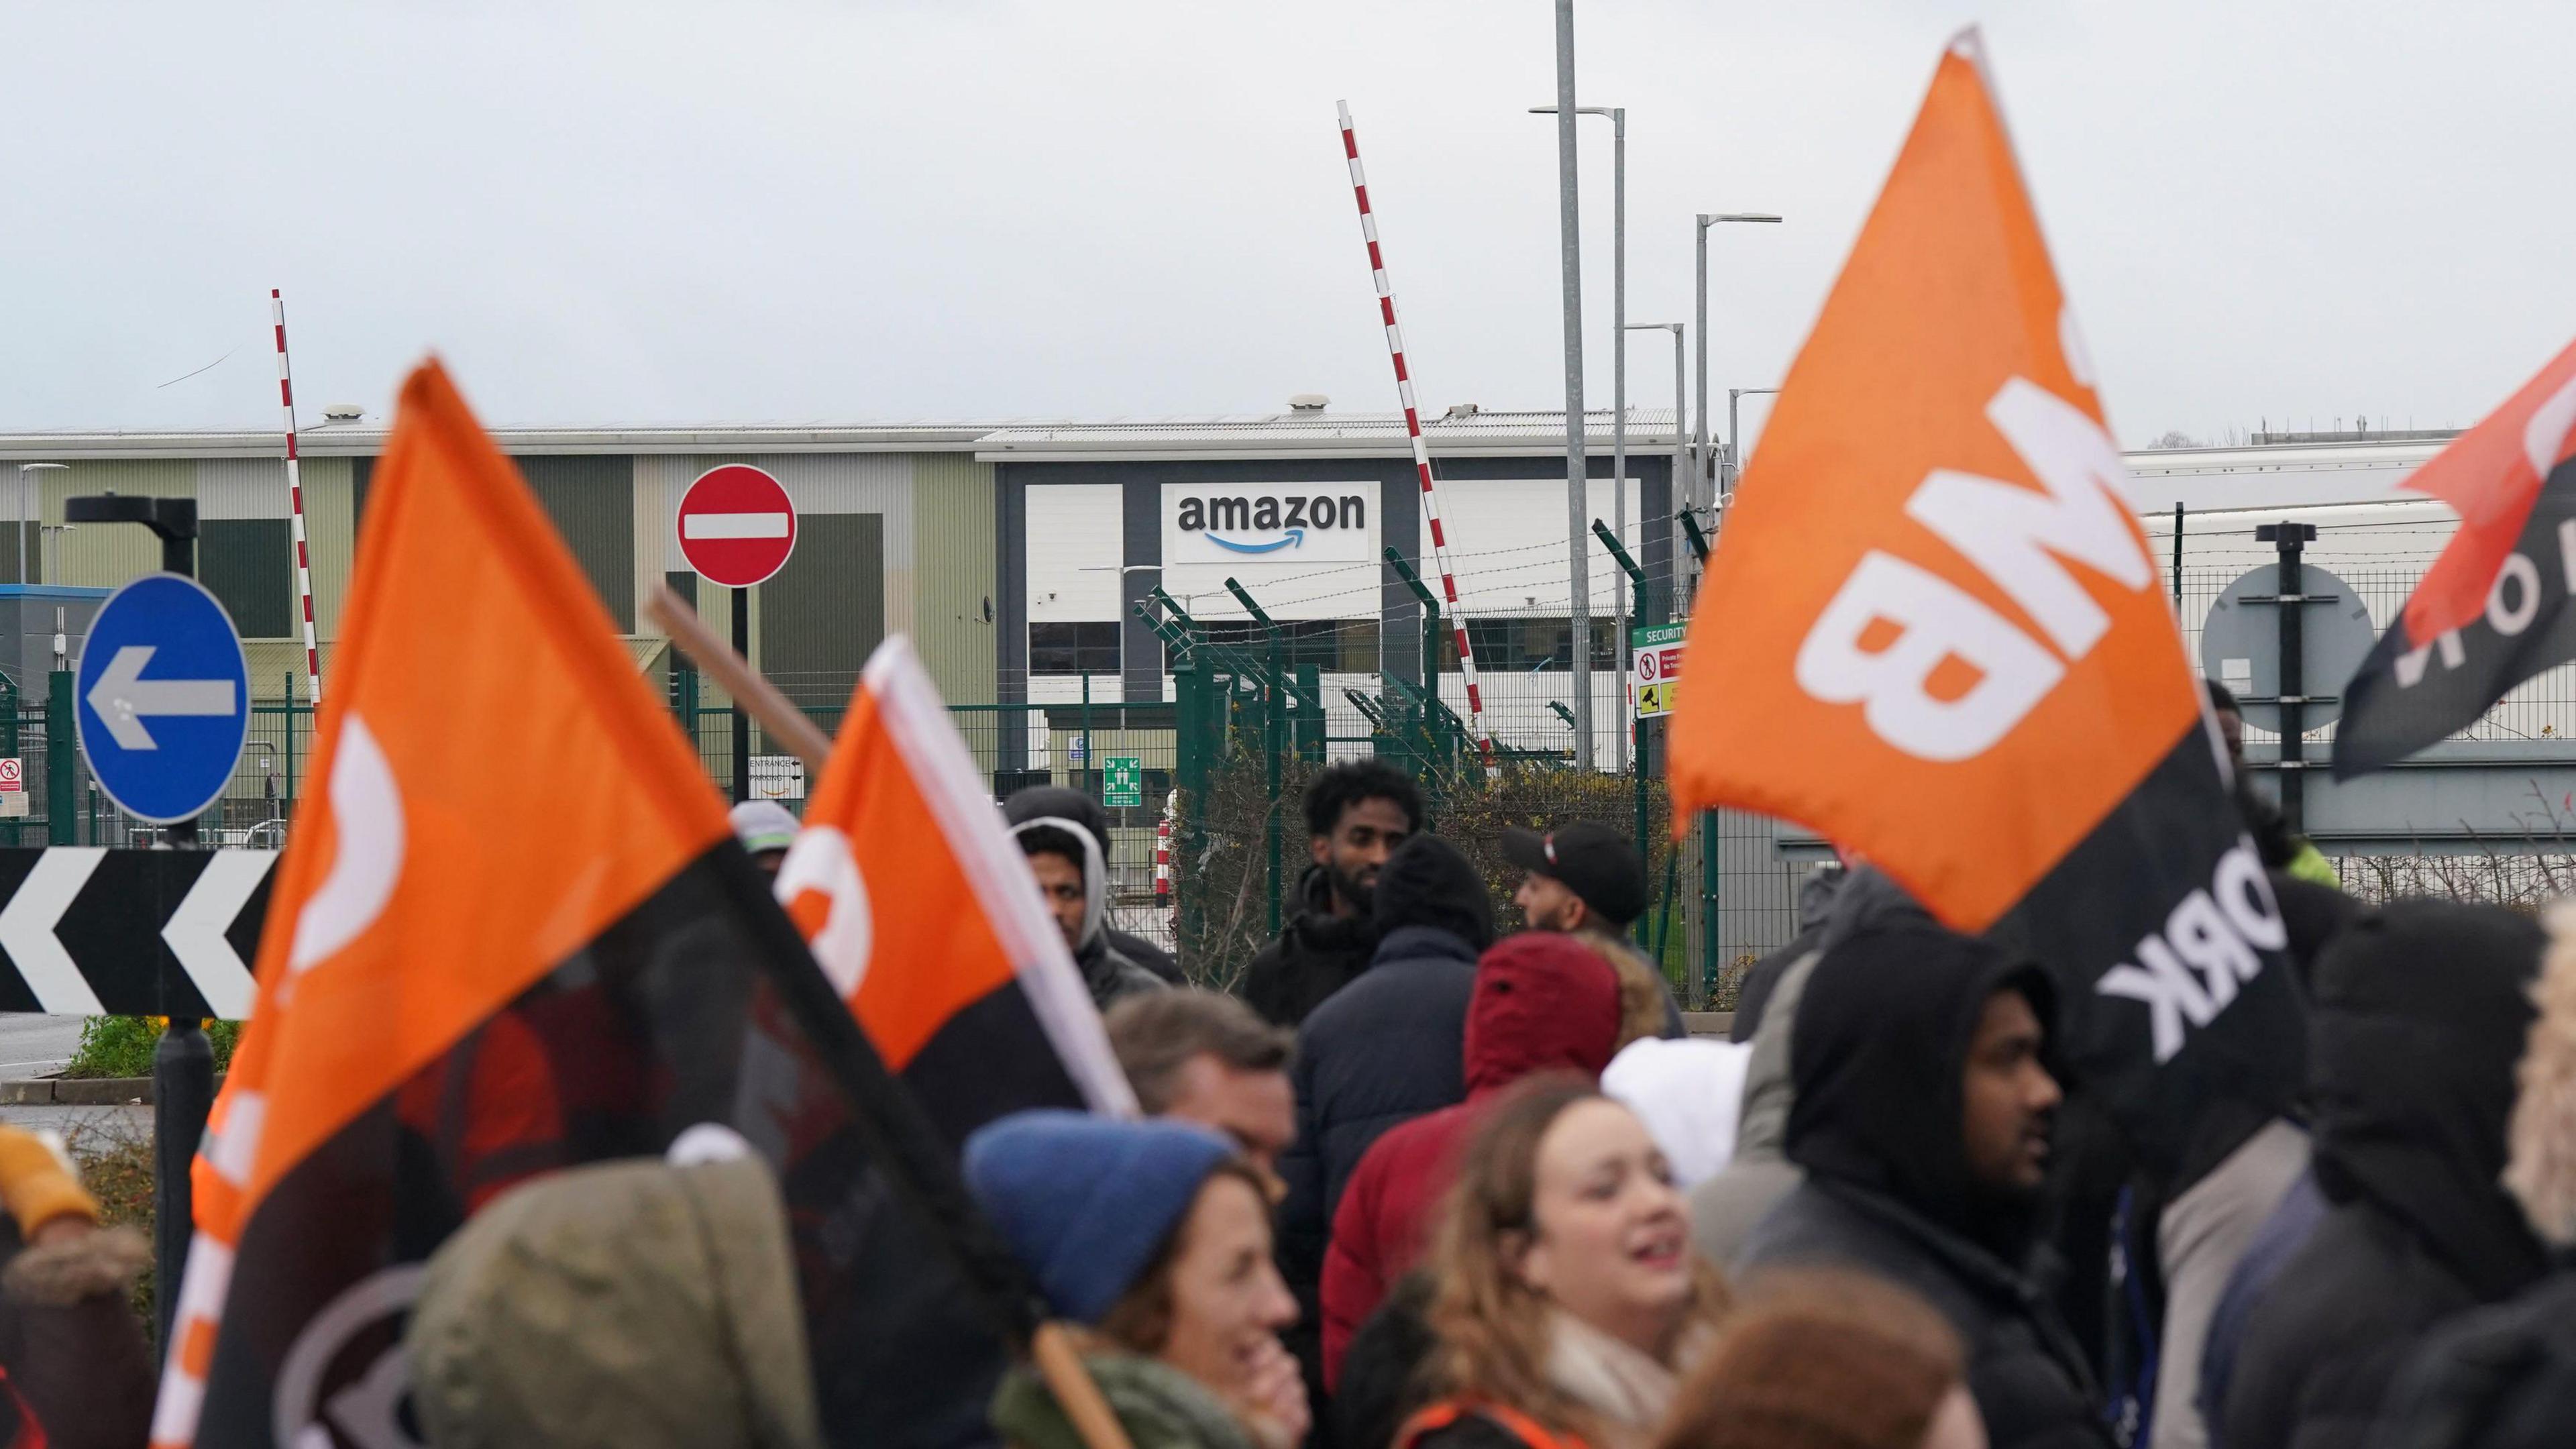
(592,503)
(824,613)
(249,564)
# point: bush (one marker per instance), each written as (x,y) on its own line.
(116,1166)
(121,1046)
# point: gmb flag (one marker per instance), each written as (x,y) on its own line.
(2492,611)
(919,907)
(922,914)
(1943,643)
(449,1001)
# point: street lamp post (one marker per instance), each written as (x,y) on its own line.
(1735,435)
(1706,472)
(1618,371)
(23,470)
(1577,504)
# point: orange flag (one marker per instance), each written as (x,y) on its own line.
(511,933)
(1932,630)
(920,908)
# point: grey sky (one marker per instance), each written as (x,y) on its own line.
(759,211)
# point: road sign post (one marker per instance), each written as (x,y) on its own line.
(202,696)
(737,528)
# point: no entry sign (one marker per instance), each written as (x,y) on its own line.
(736,526)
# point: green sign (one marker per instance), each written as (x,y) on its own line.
(1122,781)
(1656,660)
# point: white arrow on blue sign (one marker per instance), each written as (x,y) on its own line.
(163,698)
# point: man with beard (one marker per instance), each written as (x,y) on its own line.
(1922,1118)
(1357,813)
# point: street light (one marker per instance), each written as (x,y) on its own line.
(1707,220)
(1569,221)
(23,470)
(1618,369)
(1734,436)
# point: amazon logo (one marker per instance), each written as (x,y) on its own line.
(1268,523)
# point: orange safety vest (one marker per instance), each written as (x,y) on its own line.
(1449,1411)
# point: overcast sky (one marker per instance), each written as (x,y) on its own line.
(746,211)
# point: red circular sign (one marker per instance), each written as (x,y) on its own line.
(736,525)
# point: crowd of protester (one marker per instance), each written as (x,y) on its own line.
(1433,1183)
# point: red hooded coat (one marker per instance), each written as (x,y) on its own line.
(1543,1001)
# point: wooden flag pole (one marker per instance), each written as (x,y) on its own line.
(759,698)
(1050,1349)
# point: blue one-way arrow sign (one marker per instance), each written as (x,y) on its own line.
(163,698)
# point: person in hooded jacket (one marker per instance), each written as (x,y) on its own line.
(1725,1208)
(1065,857)
(1043,800)
(1923,1104)
(2505,1377)
(1384,1050)
(2418,1015)
(1542,1001)
(1358,813)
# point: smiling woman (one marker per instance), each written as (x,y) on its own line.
(1568,1297)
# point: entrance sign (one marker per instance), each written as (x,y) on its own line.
(1655,652)
(777,777)
(737,526)
(164,698)
(1122,782)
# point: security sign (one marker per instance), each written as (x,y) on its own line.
(1656,650)
(13,788)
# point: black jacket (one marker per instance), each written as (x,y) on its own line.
(2419,1015)
(1384,1050)
(1316,954)
(2497,1378)
(1878,1058)
(1382,1369)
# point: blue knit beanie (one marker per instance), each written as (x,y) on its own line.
(1086,1201)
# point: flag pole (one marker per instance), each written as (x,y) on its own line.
(758,697)
(1050,1346)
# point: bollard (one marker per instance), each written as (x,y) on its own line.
(183,1091)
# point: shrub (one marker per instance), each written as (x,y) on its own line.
(121,1046)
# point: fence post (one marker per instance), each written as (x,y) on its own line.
(9,722)
(288,749)
(1310,713)
(1190,776)
(1708,881)
(62,758)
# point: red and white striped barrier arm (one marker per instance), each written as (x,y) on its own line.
(295,495)
(1421,450)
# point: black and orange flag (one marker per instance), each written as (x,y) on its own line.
(1933,632)
(2492,611)
(483,962)
(921,911)
(919,907)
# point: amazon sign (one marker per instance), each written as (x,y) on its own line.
(1238,523)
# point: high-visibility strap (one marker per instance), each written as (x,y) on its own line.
(1449,1411)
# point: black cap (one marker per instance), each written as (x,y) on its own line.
(1597,863)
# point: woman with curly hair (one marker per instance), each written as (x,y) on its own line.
(1567,1295)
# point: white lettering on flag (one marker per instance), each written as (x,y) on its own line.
(734,525)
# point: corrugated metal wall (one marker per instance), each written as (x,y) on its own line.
(591,500)
(955,595)
(824,612)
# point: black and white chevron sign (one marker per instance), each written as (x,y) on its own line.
(89,931)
